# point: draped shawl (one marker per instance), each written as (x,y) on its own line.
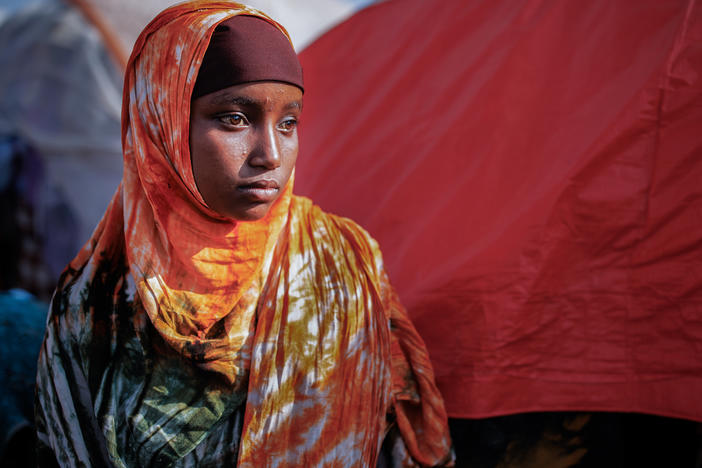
(178,337)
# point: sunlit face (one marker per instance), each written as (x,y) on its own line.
(243,146)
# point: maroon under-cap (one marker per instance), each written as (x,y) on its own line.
(245,49)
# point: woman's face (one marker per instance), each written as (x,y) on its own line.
(243,146)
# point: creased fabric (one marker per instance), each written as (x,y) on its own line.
(538,198)
(178,337)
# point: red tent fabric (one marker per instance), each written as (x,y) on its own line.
(533,173)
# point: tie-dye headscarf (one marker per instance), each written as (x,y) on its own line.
(178,337)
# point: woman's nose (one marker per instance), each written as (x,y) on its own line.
(267,149)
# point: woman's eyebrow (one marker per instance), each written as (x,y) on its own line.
(294,105)
(234,99)
(246,101)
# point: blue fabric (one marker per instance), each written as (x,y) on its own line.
(22,322)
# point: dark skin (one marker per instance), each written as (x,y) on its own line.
(243,146)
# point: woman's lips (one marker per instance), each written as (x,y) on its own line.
(260,190)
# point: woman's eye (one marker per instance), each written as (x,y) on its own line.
(234,120)
(288,125)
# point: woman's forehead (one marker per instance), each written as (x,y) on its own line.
(259,94)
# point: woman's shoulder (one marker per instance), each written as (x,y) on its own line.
(89,295)
(337,230)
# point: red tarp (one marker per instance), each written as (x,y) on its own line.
(533,173)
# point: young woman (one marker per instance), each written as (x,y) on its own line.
(214,318)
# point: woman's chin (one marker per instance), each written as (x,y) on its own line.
(252,213)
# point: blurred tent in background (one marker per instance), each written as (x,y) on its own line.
(62,95)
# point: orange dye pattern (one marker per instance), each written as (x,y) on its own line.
(294,310)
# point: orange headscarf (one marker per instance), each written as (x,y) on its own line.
(192,267)
(294,311)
